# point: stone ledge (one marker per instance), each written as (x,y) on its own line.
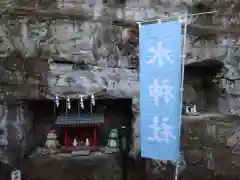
(202,116)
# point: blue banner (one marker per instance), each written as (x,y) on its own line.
(160,81)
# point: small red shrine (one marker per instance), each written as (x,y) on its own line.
(80,128)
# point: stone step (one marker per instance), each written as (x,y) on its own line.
(233,78)
(235,93)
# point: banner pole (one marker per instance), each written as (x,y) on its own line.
(182,85)
(173,17)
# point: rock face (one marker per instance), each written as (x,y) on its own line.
(102,82)
(16,132)
(95,57)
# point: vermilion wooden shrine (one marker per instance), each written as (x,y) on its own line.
(81,124)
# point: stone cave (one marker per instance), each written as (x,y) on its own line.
(117,113)
(201,86)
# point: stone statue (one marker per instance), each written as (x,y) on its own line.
(75,144)
(234,139)
(52,143)
(87,143)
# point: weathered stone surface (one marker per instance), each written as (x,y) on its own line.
(62,168)
(16,131)
(101,43)
(105,82)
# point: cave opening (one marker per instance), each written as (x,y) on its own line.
(117,113)
(199,85)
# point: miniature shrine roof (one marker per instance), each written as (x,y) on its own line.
(78,120)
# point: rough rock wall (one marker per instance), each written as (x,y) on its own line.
(103,82)
(16,131)
(92,45)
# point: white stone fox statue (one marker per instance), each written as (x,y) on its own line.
(52,143)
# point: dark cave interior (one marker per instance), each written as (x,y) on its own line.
(117,113)
(205,70)
(200,77)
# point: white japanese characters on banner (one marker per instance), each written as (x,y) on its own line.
(160,82)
